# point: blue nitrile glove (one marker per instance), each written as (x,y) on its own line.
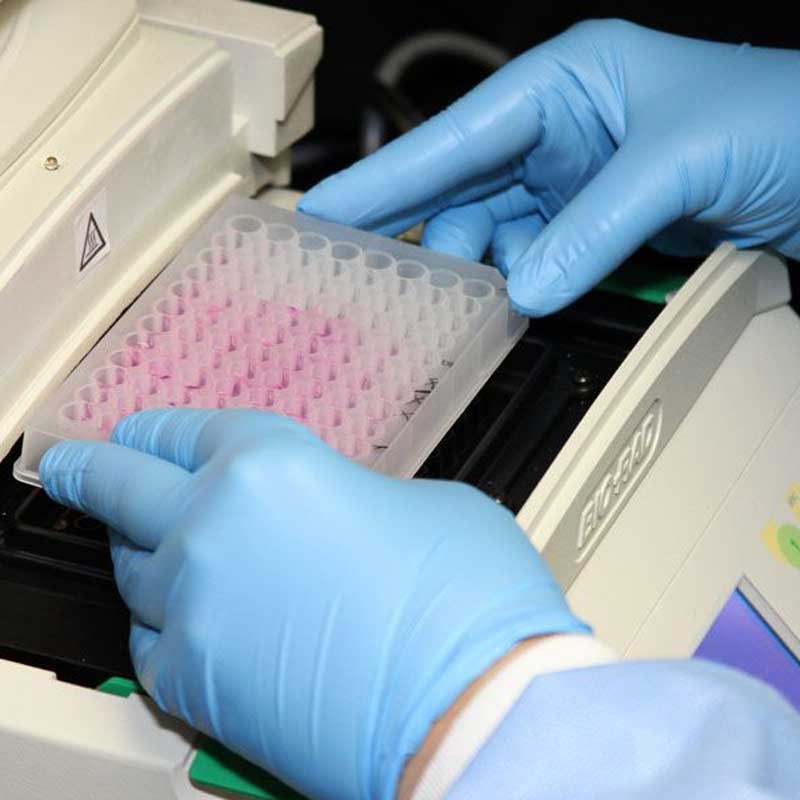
(576,153)
(309,613)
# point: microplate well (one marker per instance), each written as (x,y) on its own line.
(375,344)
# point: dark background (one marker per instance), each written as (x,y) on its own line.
(359,34)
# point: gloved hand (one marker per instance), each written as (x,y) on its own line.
(312,615)
(575,154)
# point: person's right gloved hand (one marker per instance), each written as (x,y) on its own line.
(311,614)
(578,152)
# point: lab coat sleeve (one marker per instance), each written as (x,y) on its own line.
(653,729)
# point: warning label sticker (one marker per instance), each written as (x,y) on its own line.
(92,242)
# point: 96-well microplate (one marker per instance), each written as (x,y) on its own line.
(375,345)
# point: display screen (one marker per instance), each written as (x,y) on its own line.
(742,639)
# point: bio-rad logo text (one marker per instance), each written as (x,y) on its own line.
(627,469)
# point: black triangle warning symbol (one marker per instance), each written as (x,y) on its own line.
(93,242)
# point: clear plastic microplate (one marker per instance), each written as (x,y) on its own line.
(375,344)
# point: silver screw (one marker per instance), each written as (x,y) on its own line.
(51,164)
(581,378)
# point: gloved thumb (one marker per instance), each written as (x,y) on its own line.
(630,200)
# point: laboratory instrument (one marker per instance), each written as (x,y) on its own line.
(647,448)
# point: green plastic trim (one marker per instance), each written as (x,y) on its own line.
(120,687)
(643,283)
(214,766)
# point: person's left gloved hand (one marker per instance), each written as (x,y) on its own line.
(312,615)
(586,147)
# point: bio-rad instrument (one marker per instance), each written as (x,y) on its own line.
(648,448)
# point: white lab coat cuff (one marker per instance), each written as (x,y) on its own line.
(484,712)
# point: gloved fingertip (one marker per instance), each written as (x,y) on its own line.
(168,433)
(513,239)
(137,429)
(502,264)
(313,201)
(451,244)
(60,470)
(463,231)
(331,199)
(539,286)
(122,431)
(504,258)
